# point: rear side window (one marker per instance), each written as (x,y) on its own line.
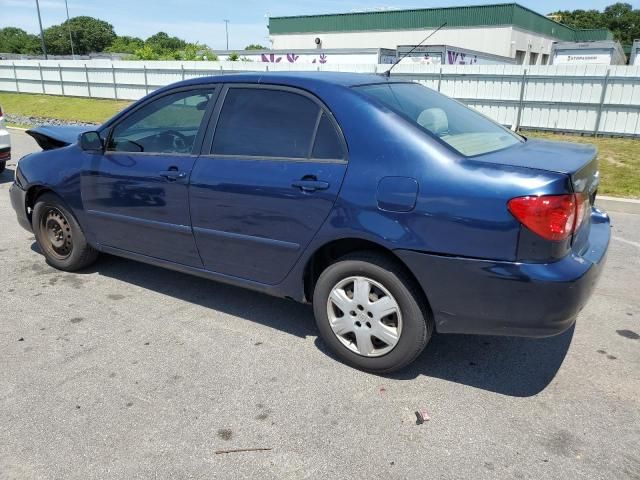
(460,127)
(327,144)
(265,123)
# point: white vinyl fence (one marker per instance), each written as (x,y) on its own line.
(594,99)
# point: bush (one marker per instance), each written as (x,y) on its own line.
(126,44)
(190,52)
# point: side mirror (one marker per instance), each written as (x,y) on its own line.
(91,142)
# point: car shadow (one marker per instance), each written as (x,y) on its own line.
(513,366)
(518,367)
(285,315)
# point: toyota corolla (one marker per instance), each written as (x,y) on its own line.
(396,211)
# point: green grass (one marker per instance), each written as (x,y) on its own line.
(619,157)
(87,110)
(619,160)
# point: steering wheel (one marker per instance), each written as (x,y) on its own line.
(178,142)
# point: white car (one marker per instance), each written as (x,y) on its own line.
(5,143)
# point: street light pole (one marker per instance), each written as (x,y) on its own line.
(69,25)
(44,47)
(226,31)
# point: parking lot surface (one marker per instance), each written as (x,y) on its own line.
(130,371)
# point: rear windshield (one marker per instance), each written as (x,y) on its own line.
(465,130)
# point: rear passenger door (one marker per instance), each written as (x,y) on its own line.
(274,169)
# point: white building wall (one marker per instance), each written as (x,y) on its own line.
(529,43)
(490,40)
(503,41)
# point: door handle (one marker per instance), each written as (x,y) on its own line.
(310,185)
(173,175)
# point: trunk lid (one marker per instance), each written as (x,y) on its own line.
(577,161)
(50,137)
(560,157)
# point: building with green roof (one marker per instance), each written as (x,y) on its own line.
(507,30)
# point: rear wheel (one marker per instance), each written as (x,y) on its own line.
(371,313)
(59,235)
(3,165)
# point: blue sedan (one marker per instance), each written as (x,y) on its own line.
(396,211)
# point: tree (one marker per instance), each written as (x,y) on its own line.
(89,35)
(16,40)
(126,44)
(162,42)
(582,19)
(255,46)
(623,21)
(620,18)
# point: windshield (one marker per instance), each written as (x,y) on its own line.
(467,131)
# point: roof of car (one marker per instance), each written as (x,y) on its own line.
(292,78)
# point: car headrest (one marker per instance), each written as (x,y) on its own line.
(435,120)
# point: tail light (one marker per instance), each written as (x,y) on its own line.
(553,217)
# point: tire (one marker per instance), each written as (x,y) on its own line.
(337,297)
(59,235)
(3,165)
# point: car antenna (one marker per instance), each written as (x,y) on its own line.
(388,72)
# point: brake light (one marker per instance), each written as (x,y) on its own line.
(553,217)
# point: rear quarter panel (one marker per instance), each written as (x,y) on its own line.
(461,205)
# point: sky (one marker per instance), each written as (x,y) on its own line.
(202,20)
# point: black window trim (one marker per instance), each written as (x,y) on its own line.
(323,109)
(198,141)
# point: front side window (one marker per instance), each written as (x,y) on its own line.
(167,125)
(260,122)
(458,126)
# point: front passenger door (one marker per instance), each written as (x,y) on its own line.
(136,193)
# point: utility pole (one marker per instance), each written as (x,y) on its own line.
(226,31)
(69,25)
(44,47)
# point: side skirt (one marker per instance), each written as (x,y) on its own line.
(273,290)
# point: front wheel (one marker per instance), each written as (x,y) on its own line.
(371,313)
(3,165)
(59,235)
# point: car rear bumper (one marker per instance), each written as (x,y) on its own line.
(505,298)
(18,202)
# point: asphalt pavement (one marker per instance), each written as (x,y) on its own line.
(129,371)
